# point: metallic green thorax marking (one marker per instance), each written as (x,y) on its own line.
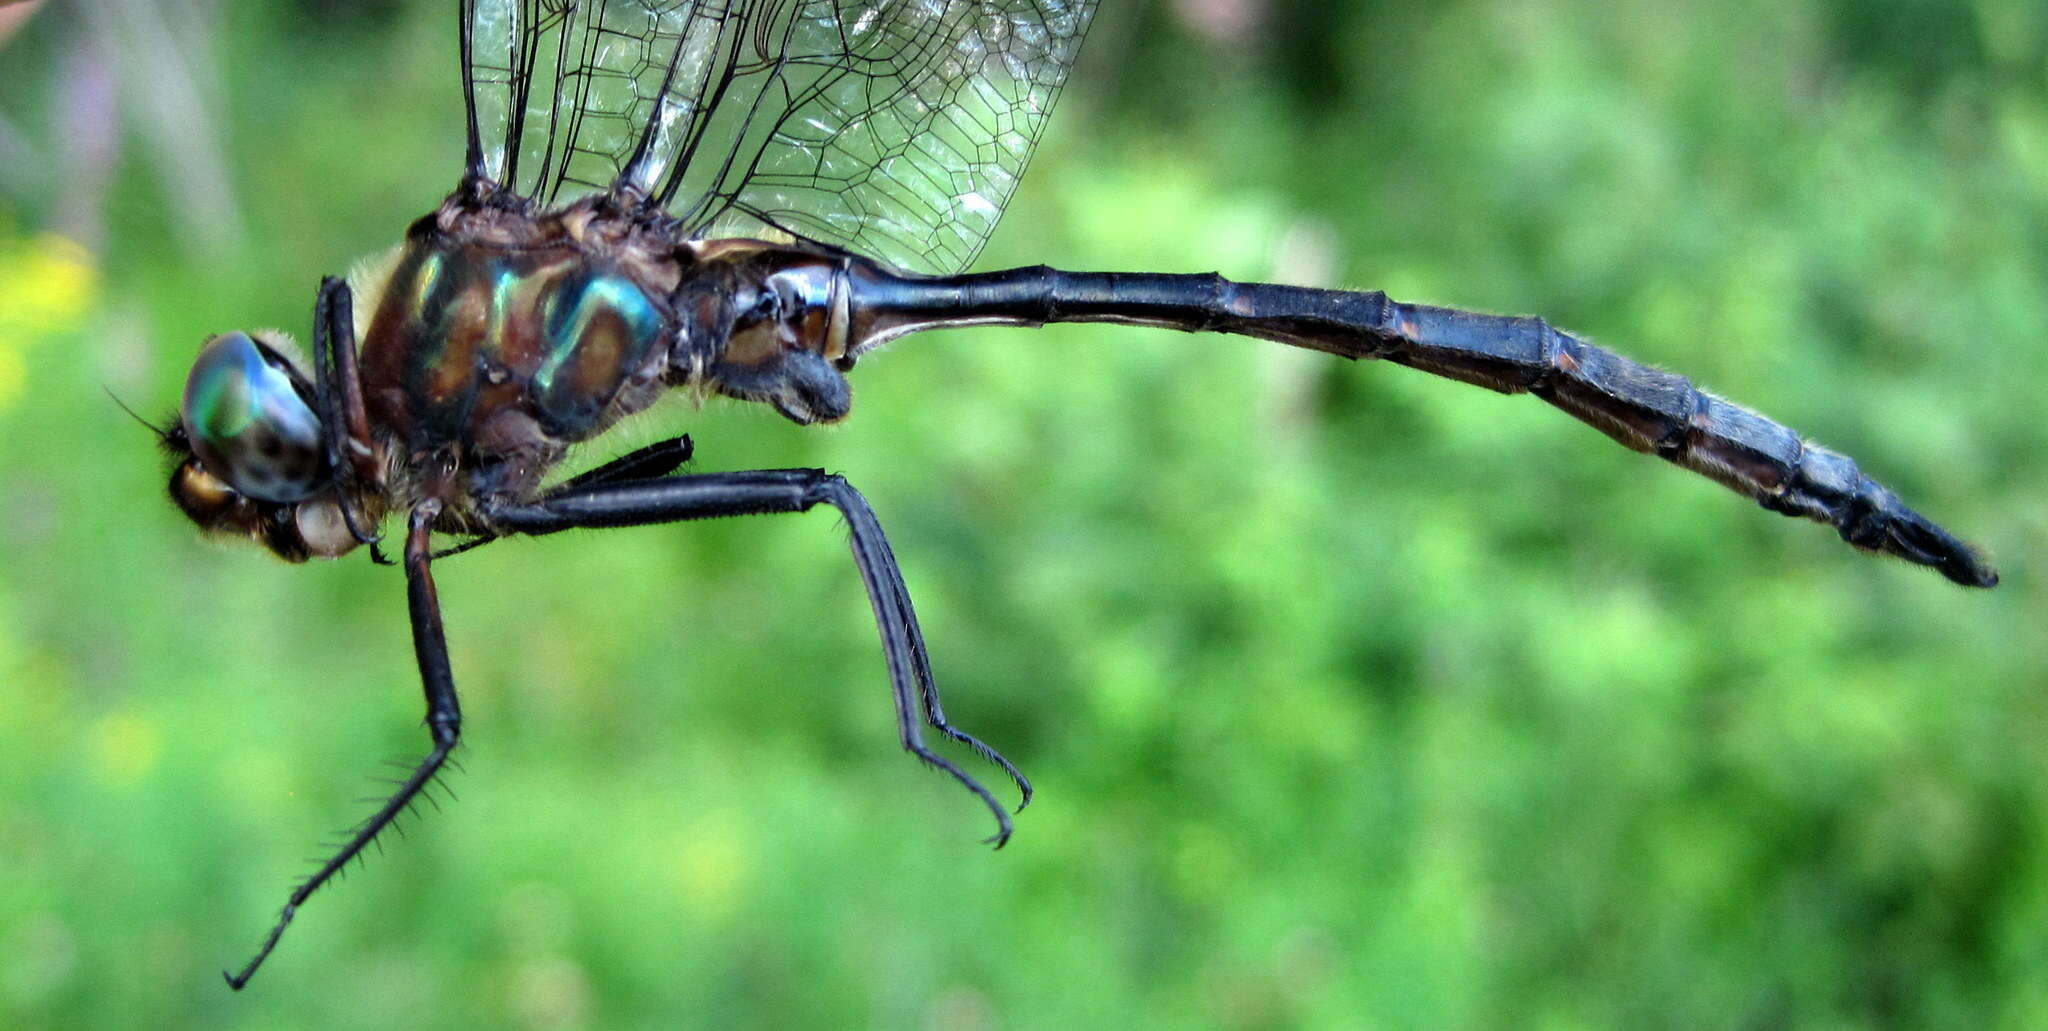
(428,280)
(599,328)
(504,296)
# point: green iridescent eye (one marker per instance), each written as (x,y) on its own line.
(249,424)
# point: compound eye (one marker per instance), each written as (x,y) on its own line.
(249,424)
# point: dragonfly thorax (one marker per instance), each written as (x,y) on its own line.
(508,354)
(494,338)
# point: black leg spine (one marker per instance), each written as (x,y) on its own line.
(444,724)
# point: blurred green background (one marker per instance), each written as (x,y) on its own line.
(1354,698)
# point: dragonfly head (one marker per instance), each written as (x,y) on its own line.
(252,457)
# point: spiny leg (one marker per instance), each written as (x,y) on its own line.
(927,684)
(713,495)
(345,420)
(657,459)
(873,554)
(444,723)
(902,641)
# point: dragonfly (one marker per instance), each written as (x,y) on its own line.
(743,198)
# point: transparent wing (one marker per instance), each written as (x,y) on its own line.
(564,91)
(896,128)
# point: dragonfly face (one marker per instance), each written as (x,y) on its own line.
(255,463)
(743,202)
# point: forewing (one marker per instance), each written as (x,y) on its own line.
(564,92)
(896,128)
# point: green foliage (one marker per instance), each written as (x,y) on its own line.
(1354,698)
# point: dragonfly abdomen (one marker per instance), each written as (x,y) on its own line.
(1644,408)
(1666,414)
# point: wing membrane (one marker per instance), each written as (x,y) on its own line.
(897,128)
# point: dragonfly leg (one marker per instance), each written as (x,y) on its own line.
(344,419)
(707,496)
(657,459)
(444,723)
